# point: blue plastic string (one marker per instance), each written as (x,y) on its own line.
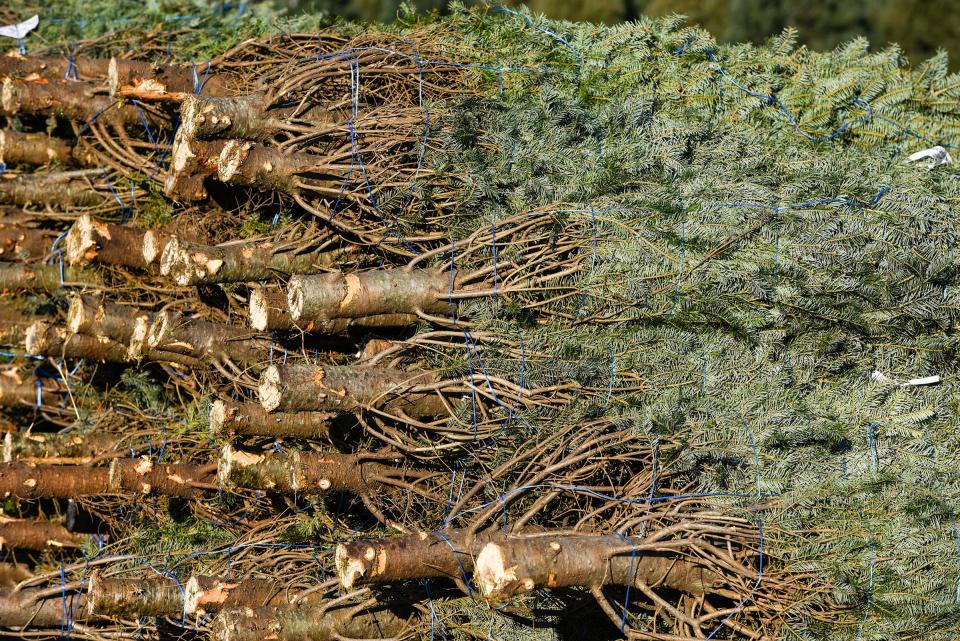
(593,266)
(613,373)
(872,445)
(543,30)
(633,568)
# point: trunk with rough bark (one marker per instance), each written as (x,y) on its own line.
(19,148)
(140,79)
(269,311)
(385,291)
(79,67)
(36,608)
(311,472)
(19,243)
(424,555)
(46,278)
(94,316)
(71,100)
(247,117)
(139,476)
(191,263)
(228,418)
(45,339)
(307,623)
(17,391)
(23,534)
(518,565)
(67,448)
(90,240)
(196,339)
(60,190)
(348,388)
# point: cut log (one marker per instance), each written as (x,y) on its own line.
(24,392)
(424,555)
(45,278)
(323,297)
(269,311)
(36,608)
(247,117)
(196,339)
(229,419)
(307,623)
(144,596)
(191,263)
(60,190)
(22,244)
(138,476)
(92,315)
(23,534)
(296,388)
(68,448)
(19,148)
(91,240)
(518,565)
(45,339)
(249,164)
(163,82)
(71,100)
(51,68)
(292,471)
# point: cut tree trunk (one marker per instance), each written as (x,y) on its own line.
(22,534)
(45,278)
(323,297)
(518,565)
(347,388)
(50,68)
(269,311)
(308,623)
(311,472)
(58,449)
(228,418)
(424,555)
(191,263)
(193,161)
(124,476)
(249,164)
(23,244)
(24,392)
(92,315)
(45,339)
(19,148)
(248,117)
(61,190)
(90,240)
(36,608)
(146,81)
(71,100)
(195,339)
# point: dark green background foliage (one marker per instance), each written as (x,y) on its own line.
(921,27)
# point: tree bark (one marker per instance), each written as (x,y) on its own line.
(90,240)
(26,607)
(23,244)
(294,388)
(292,471)
(144,596)
(44,339)
(61,190)
(174,333)
(517,565)
(17,392)
(92,315)
(425,555)
(324,297)
(269,311)
(249,164)
(58,449)
(71,100)
(45,278)
(192,263)
(124,476)
(19,148)
(309,623)
(193,161)
(228,418)
(22,534)
(163,82)
(51,68)
(247,117)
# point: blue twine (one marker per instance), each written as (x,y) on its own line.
(543,30)
(633,567)
(872,445)
(456,555)
(866,611)
(143,121)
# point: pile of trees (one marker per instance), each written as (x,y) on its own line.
(481,326)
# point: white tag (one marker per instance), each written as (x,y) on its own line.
(939,155)
(20,31)
(880,377)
